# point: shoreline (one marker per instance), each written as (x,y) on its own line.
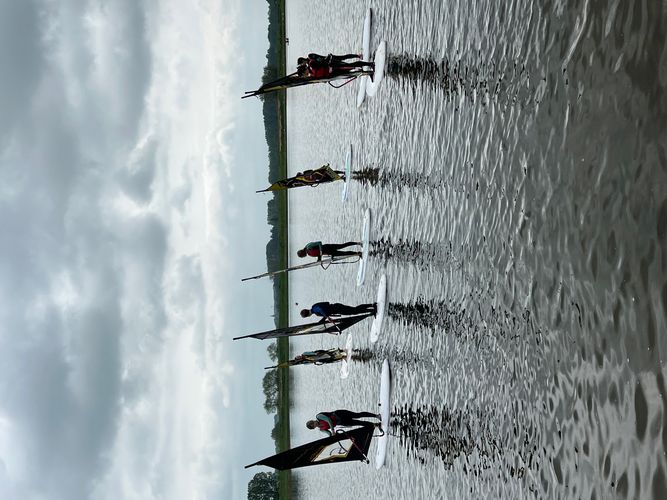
(285,485)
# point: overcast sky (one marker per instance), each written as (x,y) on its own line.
(129,165)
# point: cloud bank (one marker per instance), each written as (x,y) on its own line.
(115,374)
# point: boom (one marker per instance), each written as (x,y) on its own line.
(345,259)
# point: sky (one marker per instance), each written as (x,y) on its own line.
(129,165)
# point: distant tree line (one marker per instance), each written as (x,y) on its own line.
(273,131)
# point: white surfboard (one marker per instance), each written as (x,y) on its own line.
(345,365)
(379,315)
(365,246)
(366,51)
(348,173)
(385,411)
(378,75)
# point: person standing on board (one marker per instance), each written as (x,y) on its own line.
(328,421)
(335,61)
(319,356)
(319,174)
(327,310)
(324,67)
(317,249)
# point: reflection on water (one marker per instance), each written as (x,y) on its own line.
(429,433)
(362,355)
(369,176)
(436,430)
(398,180)
(400,356)
(421,254)
(476,81)
(397,356)
(444,318)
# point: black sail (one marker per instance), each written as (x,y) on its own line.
(294,80)
(336,325)
(344,446)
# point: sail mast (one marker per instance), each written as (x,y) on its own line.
(333,326)
(329,260)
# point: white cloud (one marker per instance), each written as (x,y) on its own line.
(115,375)
(188,114)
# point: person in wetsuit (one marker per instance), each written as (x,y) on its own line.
(317,249)
(318,66)
(335,61)
(327,310)
(314,176)
(328,421)
(319,357)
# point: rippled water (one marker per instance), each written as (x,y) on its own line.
(520,214)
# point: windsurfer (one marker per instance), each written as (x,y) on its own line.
(320,356)
(316,357)
(332,59)
(327,309)
(310,177)
(318,70)
(314,176)
(318,66)
(328,421)
(317,249)
(332,326)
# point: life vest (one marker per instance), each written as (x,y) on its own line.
(320,71)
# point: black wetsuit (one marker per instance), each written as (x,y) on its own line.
(327,309)
(336,249)
(327,421)
(317,249)
(331,59)
(338,64)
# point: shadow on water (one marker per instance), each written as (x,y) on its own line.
(362,355)
(477,81)
(400,356)
(428,431)
(472,324)
(368,175)
(424,255)
(397,180)
(446,434)
(381,352)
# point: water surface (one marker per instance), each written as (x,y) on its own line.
(520,214)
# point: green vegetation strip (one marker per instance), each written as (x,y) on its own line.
(285,489)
